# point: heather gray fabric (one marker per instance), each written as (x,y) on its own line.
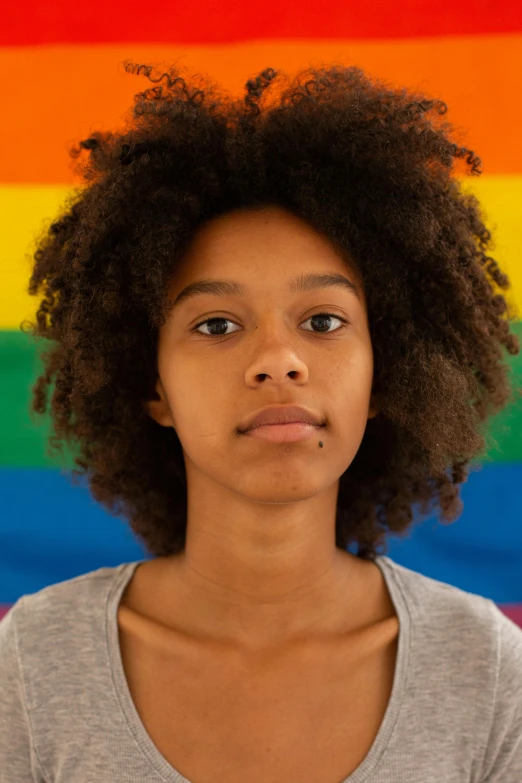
(66,714)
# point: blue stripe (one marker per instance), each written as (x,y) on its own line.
(52,530)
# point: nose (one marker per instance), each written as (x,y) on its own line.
(277,370)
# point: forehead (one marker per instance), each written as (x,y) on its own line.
(262,238)
(267,223)
(247,253)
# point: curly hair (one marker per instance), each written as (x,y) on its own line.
(371,167)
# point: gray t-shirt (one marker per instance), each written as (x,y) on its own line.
(67,715)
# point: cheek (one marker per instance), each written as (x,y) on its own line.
(350,376)
(347,389)
(202,412)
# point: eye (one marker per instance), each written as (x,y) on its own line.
(212,321)
(320,317)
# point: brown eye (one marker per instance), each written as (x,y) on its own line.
(324,320)
(220,332)
(219,325)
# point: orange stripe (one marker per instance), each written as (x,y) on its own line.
(53,96)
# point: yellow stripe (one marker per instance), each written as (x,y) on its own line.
(28,209)
(501,200)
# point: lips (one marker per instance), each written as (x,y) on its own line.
(282,414)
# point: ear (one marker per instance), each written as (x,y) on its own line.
(158,409)
(375,406)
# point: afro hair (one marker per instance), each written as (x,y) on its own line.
(370,166)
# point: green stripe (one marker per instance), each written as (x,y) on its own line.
(23,440)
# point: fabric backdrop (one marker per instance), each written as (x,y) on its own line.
(62,78)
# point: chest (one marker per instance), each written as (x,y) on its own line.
(311,718)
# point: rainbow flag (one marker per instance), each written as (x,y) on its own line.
(63,78)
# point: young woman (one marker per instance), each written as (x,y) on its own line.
(276,332)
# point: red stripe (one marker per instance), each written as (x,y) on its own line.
(205,21)
(513,611)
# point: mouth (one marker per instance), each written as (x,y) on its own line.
(285,433)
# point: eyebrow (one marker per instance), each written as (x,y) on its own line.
(303,283)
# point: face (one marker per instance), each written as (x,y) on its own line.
(267,346)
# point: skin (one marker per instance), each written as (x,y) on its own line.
(261,569)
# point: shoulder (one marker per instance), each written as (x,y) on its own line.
(42,623)
(455,633)
(440,605)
